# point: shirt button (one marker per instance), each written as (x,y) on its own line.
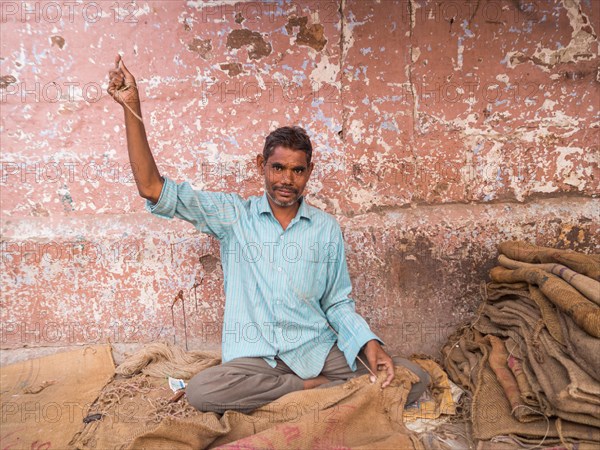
(281,237)
(278,302)
(279,269)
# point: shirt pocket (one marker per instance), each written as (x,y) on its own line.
(308,279)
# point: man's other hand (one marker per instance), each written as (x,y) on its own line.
(379,360)
(122,85)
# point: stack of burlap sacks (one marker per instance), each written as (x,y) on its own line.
(531,357)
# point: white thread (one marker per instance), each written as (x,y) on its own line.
(125,87)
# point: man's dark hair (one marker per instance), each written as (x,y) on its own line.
(294,138)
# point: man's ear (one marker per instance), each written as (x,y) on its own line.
(311,166)
(260,164)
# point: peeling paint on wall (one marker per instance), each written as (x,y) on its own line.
(440,128)
(201,46)
(257,46)
(311,36)
(580,48)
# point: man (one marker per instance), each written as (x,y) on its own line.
(289,323)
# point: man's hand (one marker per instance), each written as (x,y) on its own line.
(379,360)
(123,89)
(121,84)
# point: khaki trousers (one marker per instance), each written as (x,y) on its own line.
(244,384)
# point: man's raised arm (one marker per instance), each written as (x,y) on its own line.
(123,90)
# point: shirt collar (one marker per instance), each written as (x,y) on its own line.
(304,210)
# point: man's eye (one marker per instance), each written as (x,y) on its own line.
(277,168)
(299,171)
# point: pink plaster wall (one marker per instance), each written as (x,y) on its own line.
(441,128)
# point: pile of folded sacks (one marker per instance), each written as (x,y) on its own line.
(531,356)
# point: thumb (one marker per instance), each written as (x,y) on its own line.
(373,367)
(126,72)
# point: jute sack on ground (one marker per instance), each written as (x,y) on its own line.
(581,263)
(585,313)
(500,319)
(575,343)
(515,345)
(463,357)
(492,417)
(44,400)
(589,287)
(136,414)
(515,364)
(571,392)
(531,296)
(460,356)
(356,414)
(583,349)
(498,361)
(510,443)
(492,413)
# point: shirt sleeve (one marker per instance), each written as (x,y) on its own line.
(353,331)
(210,212)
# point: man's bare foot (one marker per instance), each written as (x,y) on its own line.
(314,382)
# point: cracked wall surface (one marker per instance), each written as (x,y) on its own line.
(440,129)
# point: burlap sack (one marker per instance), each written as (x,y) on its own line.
(492,417)
(356,414)
(460,356)
(45,400)
(522,251)
(562,383)
(574,395)
(549,313)
(498,361)
(581,347)
(136,414)
(547,366)
(585,313)
(525,389)
(513,327)
(512,443)
(589,287)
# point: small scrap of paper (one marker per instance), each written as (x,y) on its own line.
(176,384)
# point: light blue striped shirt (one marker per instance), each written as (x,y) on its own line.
(282,288)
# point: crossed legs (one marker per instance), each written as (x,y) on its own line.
(244,384)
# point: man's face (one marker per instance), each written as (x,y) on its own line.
(286,174)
